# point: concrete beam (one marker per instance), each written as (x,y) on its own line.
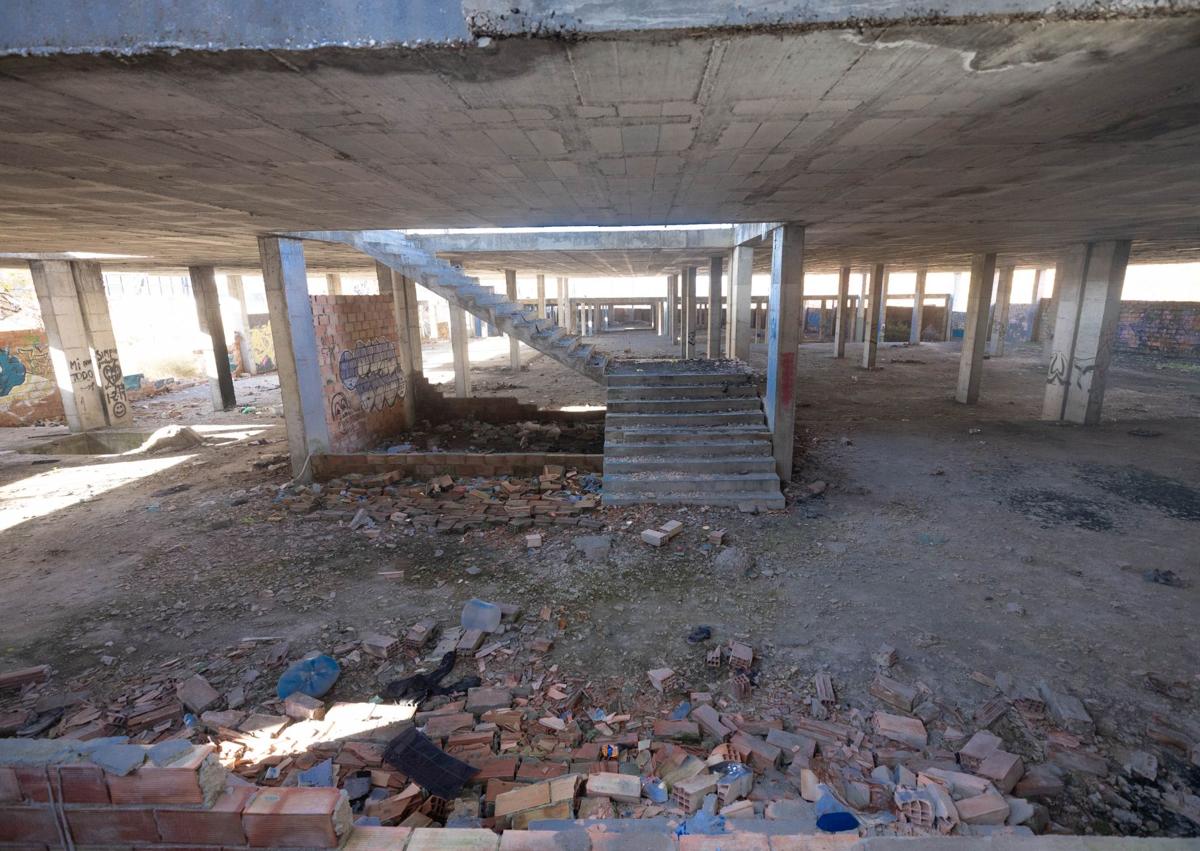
(1085,331)
(1001,313)
(296,357)
(237,292)
(873,326)
(699,240)
(458,348)
(841,313)
(918,314)
(212,332)
(741,268)
(712,348)
(785,311)
(970,362)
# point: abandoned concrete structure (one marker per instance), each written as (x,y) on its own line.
(429,143)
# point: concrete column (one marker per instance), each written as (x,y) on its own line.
(873,319)
(1052,317)
(70,349)
(918,314)
(237,292)
(514,345)
(541,296)
(948,321)
(1036,331)
(458,347)
(841,313)
(738,329)
(687,325)
(860,317)
(784,313)
(296,354)
(672,307)
(713,340)
(1085,330)
(93,304)
(1000,315)
(333,281)
(403,292)
(212,332)
(970,362)
(566,311)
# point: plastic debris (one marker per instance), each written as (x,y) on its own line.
(313,676)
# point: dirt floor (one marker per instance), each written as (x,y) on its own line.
(978,541)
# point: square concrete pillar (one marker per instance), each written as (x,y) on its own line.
(784,314)
(541,296)
(212,334)
(713,339)
(296,356)
(918,314)
(741,269)
(860,314)
(970,362)
(687,325)
(1085,330)
(1001,313)
(672,308)
(333,280)
(93,304)
(841,313)
(237,292)
(403,293)
(566,311)
(873,319)
(514,345)
(458,348)
(1052,316)
(70,347)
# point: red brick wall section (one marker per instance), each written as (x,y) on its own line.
(423,465)
(1167,328)
(28,391)
(360,369)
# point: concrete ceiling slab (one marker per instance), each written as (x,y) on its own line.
(906,143)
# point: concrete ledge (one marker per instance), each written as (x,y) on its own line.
(427,464)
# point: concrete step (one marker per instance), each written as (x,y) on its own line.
(677,378)
(683,406)
(650,483)
(633,435)
(617,448)
(682,391)
(766,500)
(715,419)
(727,464)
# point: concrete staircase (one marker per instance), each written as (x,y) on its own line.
(687,432)
(394,250)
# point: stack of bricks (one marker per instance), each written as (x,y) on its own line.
(361,375)
(186,802)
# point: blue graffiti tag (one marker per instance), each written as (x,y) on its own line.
(12,372)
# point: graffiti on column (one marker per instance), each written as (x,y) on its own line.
(372,371)
(113,382)
(1058,370)
(12,372)
(83,377)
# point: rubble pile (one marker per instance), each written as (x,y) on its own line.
(471,435)
(472,725)
(380,505)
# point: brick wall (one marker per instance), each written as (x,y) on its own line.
(28,391)
(428,464)
(1167,328)
(360,369)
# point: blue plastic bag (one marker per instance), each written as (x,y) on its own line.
(313,677)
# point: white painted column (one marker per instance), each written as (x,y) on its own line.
(687,325)
(514,345)
(333,280)
(237,292)
(541,296)
(712,341)
(784,313)
(873,319)
(212,336)
(70,350)
(1000,316)
(918,314)
(296,355)
(93,304)
(841,314)
(1085,330)
(741,269)
(458,348)
(979,296)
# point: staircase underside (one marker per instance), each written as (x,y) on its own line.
(687,432)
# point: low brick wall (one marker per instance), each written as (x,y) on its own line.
(1165,328)
(498,410)
(421,465)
